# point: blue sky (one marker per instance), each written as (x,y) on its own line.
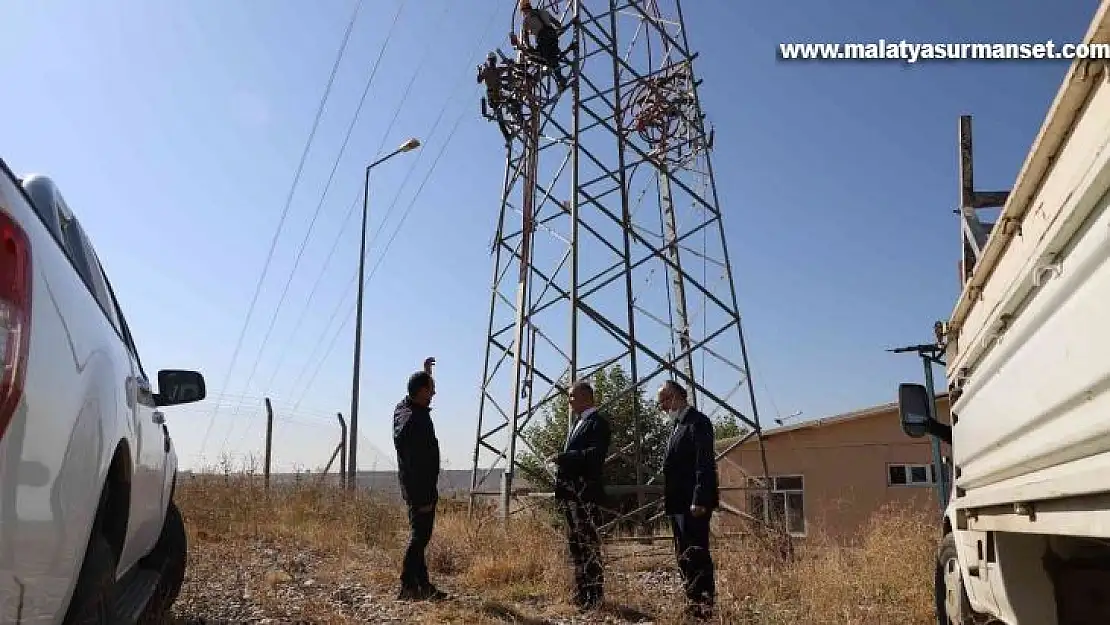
(174,130)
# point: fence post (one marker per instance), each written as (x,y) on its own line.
(342,449)
(269,440)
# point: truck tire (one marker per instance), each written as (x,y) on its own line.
(169,557)
(952,605)
(91,603)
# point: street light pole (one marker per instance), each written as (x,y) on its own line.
(352,464)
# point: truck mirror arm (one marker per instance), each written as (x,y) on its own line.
(940,430)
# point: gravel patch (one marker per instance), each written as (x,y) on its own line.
(261,583)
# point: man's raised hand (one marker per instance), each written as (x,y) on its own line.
(428,364)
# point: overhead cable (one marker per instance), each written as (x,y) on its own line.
(319,206)
(284,213)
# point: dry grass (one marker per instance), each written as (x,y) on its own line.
(316,554)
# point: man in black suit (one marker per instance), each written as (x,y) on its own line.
(690,495)
(414,437)
(579,489)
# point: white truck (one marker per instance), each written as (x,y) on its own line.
(89,532)
(1026,528)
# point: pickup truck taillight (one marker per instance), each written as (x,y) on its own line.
(15,315)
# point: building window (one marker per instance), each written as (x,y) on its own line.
(787,502)
(910,475)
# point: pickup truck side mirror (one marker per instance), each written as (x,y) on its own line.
(176,387)
(914,410)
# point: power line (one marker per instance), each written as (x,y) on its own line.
(320,204)
(351,211)
(317,343)
(255,411)
(318,425)
(284,213)
(411,169)
(369,276)
(255,407)
(435,125)
(354,280)
(331,343)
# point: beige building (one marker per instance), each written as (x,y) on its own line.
(832,474)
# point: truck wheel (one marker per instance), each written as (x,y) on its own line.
(91,603)
(169,558)
(952,605)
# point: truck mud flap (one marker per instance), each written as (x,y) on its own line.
(1080,586)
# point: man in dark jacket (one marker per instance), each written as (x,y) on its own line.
(545,29)
(414,437)
(579,489)
(690,494)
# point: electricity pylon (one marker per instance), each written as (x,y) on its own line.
(610,247)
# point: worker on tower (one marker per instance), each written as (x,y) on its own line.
(493,76)
(545,29)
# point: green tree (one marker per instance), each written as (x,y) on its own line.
(728,426)
(548,434)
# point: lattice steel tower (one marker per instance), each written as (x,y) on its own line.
(609,248)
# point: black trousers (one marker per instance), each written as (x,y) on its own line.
(584,542)
(414,569)
(547,47)
(496,103)
(691,547)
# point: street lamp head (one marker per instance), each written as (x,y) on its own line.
(410,145)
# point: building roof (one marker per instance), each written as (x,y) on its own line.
(846,417)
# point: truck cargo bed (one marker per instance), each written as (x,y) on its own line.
(1032,358)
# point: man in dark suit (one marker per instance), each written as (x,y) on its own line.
(414,437)
(690,495)
(579,489)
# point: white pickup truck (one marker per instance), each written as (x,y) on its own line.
(1026,529)
(89,532)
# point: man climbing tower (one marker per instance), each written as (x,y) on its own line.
(545,29)
(492,75)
